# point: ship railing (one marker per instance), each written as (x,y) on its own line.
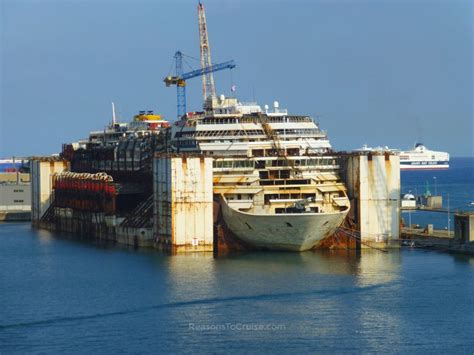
(292,119)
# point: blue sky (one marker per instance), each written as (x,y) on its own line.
(381,72)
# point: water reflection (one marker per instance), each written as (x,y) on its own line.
(44,236)
(376,267)
(463,258)
(302,291)
(201,276)
(370,266)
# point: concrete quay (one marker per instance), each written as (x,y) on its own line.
(440,240)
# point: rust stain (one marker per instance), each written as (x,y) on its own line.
(224,240)
(339,240)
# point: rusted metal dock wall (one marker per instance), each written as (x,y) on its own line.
(42,171)
(183,203)
(373,183)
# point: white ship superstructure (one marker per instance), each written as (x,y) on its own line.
(275,174)
(145,123)
(422,158)
(234,128)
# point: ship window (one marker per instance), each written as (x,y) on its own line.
(298,182)
(269,197)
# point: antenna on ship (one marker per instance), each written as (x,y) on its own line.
(114,119)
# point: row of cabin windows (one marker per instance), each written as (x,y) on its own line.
(299,131)
(217,133)
(283,196)
(295,210)
(272,163)
(233,164)
(257,120)
(289,119)
(18,201)
(248,132)
(187,144)
(315,161)
(17,190)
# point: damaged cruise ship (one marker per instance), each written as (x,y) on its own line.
(275,175)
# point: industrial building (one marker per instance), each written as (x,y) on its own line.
(15,196)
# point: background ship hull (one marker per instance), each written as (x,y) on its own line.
(425,166)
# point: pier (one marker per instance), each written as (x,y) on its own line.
(461,240)
(429,209)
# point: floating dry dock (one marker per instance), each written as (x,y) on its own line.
(177,208)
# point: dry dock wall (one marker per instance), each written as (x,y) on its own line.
(42,171)
(373,183)
(183,203)
(464,227)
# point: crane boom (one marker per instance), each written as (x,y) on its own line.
(174,80)
(207,70)
(208,88)
(180,78)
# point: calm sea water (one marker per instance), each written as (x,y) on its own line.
(455,185)
(64,296)
(58,295)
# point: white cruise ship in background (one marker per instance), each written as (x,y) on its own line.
(422,158)
(275,175)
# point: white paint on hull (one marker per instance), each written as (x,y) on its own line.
(423,167)
(286,231)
